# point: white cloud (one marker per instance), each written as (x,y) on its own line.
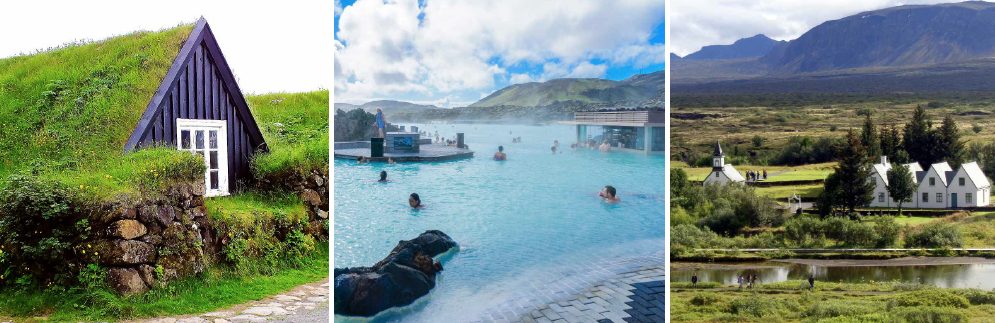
(468,45)
(271,46)
(697,23)
(518,78)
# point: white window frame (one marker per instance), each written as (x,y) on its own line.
(939,197)
(880,197)
(221,126)
(968,198)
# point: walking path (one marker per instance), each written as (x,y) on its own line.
(634,296)
(305,303)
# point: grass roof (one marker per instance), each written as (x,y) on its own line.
(77,105)
(295,126)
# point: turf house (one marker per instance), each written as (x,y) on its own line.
(138,157)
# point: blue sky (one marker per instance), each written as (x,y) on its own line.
(454,52)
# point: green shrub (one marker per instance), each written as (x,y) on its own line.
(834,308)
(704,299)
(39,230)
(887,231)
(758,307)
(928,297)
(934,235)
(977,297)
(929,314)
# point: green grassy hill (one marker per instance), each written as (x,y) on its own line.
(584,91)
(295,126)
(78,104)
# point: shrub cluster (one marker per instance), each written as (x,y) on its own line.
(814,232)
(39,232)
(934,235)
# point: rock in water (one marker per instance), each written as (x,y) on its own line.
(406,274)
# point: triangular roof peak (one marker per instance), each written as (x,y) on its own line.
(201,35)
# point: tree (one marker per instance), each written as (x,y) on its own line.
(919,139)
(891,142)
(869,137)
(900,185)
(948,142)
(854,173)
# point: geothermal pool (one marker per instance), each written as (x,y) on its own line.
(526,226)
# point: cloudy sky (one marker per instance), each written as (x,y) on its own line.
(696,23)
(270,45)
(454,52)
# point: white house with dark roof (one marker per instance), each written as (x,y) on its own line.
(880,177)
(722,173)
(938,187)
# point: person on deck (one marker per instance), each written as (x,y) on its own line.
(380,123)
(500,155)
(608,194)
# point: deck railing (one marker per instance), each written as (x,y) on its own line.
(620,117)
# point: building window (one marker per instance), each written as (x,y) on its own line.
(969,197)
(208,139)
(925,197)
(716,174)
(960,181)
(932,181)
(939,197)
(880,197)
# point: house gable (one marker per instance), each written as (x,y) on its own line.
(200,85)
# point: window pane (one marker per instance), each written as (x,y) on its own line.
(214,139)
(214,179)
(214,159)
(185,139)
(200,139)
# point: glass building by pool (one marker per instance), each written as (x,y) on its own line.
(628,130)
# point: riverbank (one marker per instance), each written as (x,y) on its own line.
(791,301)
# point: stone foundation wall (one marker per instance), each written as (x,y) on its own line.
(148,242)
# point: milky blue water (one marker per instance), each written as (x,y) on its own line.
(537,212)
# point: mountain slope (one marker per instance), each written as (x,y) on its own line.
(577,91)
(755,46)
(388,106)
(898,36)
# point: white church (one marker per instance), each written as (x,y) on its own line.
(938,187)
(722,173)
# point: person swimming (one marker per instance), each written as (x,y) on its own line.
(415,201)
(383,176)
(361,160)
(608,194)
(500,155)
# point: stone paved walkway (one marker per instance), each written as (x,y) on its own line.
(305,303)
(634,296)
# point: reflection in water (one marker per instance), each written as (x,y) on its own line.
(946,276)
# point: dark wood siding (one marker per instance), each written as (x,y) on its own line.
(199,94)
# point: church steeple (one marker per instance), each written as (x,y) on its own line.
(718,159)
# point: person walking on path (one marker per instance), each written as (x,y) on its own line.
(694,280)
(753,280)
(811,282)
(739,280)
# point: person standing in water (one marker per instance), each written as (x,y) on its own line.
(383,176)
(381,123)
(500,155)
(415,201)
(608,194)
(694,280)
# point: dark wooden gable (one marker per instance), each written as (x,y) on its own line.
(200,85)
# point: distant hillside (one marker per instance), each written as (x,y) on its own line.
(755,46)
(898,36)
(906,49)
(574,91)
(388,106)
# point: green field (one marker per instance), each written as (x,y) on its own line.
(774,173)
(790,301)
